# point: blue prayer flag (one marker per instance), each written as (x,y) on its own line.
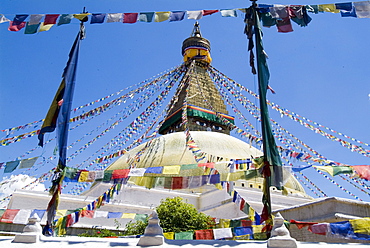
(18,19)
(177,16)
(97,18)
(11,166)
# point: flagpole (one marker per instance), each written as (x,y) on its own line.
(57,118)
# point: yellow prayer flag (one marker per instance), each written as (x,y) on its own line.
(328,8)
(251,213)
(61,212)
(169,235)
(361,225)
(128,216)
(83,176)
(81,16)
(257,228)
(45,27)
(174,169)
(328,169)
(61,231)
(162,16)
(224,223)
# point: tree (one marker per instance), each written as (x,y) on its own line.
(178,216)
(175,216)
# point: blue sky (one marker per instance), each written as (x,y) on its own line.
(318,71)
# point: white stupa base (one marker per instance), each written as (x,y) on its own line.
(281,243)
(26,238)
(151,241)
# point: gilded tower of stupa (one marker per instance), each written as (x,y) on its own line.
(203,98)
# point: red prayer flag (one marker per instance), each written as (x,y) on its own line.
(209,12)
(51,19)
(208,165)
(130,17)
(8,215)
(177,183)
(284,26)
(301,224)
(70,220)
(363,171)
(120,173)
(87,213)
(204,234)
(246,223)
(14,27)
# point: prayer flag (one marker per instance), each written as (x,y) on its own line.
(195,15)
(58,117)
(362,171)
(128,216)
(155,170)
(9,215)
(61,212)
(71,174)
(101,214)
(362,9)
(228,13)
(116,215)
(51,19)
(320,228)
(343,229)
(27,163)
(44,27)
(184,236)
(99,175)
(14,27)
(114,17)
(136,172)
(162,16)
(204,234)
(177,16)
(173,169)
(344,6)
(209,12)
(222,233)
(361,225)
(83,176)
(279,12)
(141,217)
(123,173)
(18,19)
(224,223)
(169,235)
(39,213)
(97,18)
(284,25)
(130,17)
(35,19)
(65,19)
(22,216)
(87,213)
(82,17)
(3,19)
(243,230)
(59,111)
(11,166)
(328,8)
(146,17)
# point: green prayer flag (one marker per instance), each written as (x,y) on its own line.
(107,175)
(184,236)
(342,170)
(31,29)
(141,217)
(271,153)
